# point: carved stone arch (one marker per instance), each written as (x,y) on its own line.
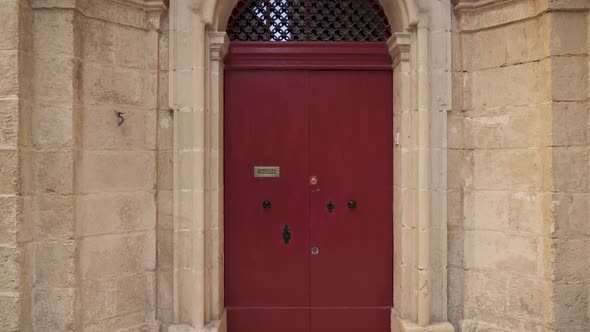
(421,51)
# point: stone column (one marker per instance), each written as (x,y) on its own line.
(15,165)
(218,44)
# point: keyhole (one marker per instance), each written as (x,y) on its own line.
(330,206)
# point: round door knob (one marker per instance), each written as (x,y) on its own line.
(266,204)
(313,180)
(352,204)
(315,251)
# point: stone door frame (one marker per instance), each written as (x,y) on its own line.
(421,53)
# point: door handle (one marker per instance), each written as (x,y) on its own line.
(266,204)
(351,204)
(330,206)
(286,234)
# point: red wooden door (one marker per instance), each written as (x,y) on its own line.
(351,155)
(266,280)
(335,125)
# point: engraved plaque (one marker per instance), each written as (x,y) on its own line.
(267,171)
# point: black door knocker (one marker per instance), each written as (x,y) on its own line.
(286,234)
(330,206)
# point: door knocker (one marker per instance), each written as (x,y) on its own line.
(330,206)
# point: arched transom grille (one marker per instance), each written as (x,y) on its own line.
(308,20)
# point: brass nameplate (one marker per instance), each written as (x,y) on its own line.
(267,171)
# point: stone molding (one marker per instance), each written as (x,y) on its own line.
(485,14)
(399,47)
(544,5)
(471,4)
(218,45)
(148,5)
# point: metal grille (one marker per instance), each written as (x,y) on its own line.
(308,20)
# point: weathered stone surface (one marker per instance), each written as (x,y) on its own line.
(8,219)
(111,171)
(98,41)
(571,214)
(53,309)
(528,297)
(9,269)
(8,72)
(165,248)
(109,256)
(165,170)
(100,129)
(10,308)
(116,213)
(165,289)
(486,291)
(53,172)
(520,84)
(571,260)
(510,44)
(53,217)
(112,298)
(570,123)
(9,122)
(569,77)
(568,35)
(571,305)
(54,264)
(134,49)
(8,25)
(105,85)
(165,209)
(509,127)
(570,169)
(53,32)
(499,251)
(8,172)
(165,129)
(518,169)
(53,126)
(53,79)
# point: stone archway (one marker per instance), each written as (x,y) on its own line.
(420,48)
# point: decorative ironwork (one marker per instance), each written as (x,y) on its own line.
(308,20)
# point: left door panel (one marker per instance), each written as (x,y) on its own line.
(267,279)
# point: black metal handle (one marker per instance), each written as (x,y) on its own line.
(330,206)
(286,234)
(352,204)
(266,204)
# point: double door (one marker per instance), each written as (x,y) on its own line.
(308,200)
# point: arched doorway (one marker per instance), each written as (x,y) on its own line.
(420,49)
(308,167)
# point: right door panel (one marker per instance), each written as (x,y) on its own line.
(351,154)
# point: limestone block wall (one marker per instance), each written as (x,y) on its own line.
(165,227)
(518,215)
(78,190)
(568,208)
(15,164)
(116,166)
(54,148)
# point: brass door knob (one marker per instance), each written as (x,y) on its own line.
(313,180)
